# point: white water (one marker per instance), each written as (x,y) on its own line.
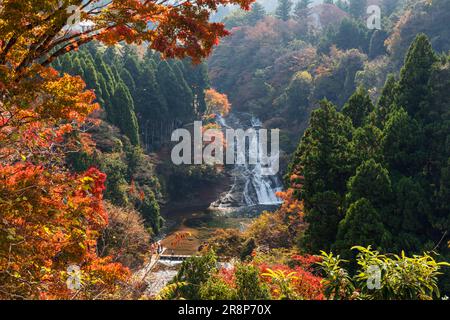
(250,187)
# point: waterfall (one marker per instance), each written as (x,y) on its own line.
(250,186)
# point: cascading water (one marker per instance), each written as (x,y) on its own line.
(250,186)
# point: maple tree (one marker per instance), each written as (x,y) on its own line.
(51,220)
(217,103)
(50,217)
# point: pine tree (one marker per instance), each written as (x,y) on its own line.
(150,103)
(301,10)
(77,68)
(372,182)
(325,159)
(283,10)
(415,74)
(361,226)
(128,80)
(131,61)
(105,71)
(410,220)
(174,88)
(386,101)
(357,8)
(403,143)
(123,115)
(256,14)
(197,78)
(367,143)
(358,107)
(91,78)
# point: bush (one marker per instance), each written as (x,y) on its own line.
(125,238)
(382,277)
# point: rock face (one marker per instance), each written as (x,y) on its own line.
(250,187)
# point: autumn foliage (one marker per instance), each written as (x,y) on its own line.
(51,218)
(50,221)
(217,103)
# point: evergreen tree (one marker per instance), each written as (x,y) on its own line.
(123,115)
(150,103)
(324,157)
(402,143)
(91,78)
(372,182)
(352,34)
(186,103)
(410,221)
(174,88)
(128,80)
(301,10)
(149,208)
(105,71)
(361,226)
(414,77)
(358,107)
(77,68)
(357,8)
(197,78)
(283,10)
(131,61)
(367,143)
(256,14)
(376,45)
(386,101)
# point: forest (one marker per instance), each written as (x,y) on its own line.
(92,207)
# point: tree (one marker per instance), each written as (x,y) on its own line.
(283,10)
(358,107)
(40,25)
(298,94)
(301,10)
(216,103)
(248,284)
(367,143)
(197,78)
(372,182)
(351,34)
(410,220)
(123,115)
(193,273)
(361,225)
(256,14)
(175,89)
(324,159)
(413,84)
(402,143)
(386,101)
(357,8)
(151,104)
(376,45)
(60,216)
